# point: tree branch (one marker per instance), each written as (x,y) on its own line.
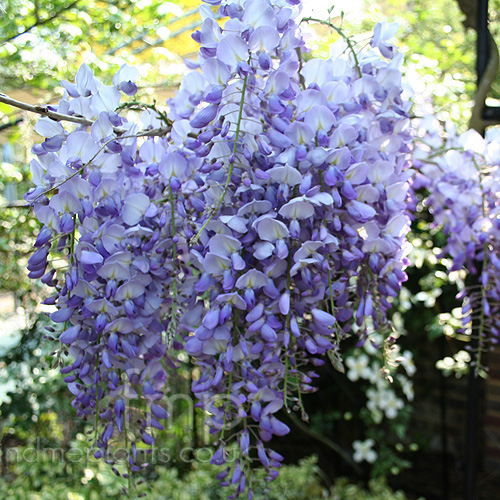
(8,125)
(160,41)
(477,120)
(45,111)
(324,440)
(59,117)
(488,77)
(141,36)
(469,8)
(40,22)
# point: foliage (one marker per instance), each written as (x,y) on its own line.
(372,407)
(37,409)
(439,53)
(296,482)
(18,227)
(46,40)
(378,490)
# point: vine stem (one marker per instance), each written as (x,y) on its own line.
(341,33)
(71,251)
(303,413)
(231,164)
(138,106)
(81,169)
(287,354)
(332,304)
(96,424)
(174,259)
(285,383)
(226,406)
(484,297)
(129,479)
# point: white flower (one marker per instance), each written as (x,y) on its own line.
(376,374)
(392,405)
(359,367)
(408,364)
(363,451)
(385,400)
(375,397)
(373,405)
(406,387)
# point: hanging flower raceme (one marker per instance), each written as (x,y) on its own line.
(101,198)
(304,218)
(464,203)
(272,209)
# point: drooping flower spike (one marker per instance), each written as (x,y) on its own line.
(273,212)
(465,205)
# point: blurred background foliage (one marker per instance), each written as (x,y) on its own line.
(95,482)
(44,41)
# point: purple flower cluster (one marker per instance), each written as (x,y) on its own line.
(261,227)
(100,197)
(305,191)
(465,203)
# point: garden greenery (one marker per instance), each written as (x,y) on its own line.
(295,482)
(253,227)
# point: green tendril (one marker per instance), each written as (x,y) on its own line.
(231,164)
(341,33)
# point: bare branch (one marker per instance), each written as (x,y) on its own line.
(54,115)
(40,22)
(477,120)
(487,65)
(16,205)
(141,36)
(45,111)
(160,41)
(144,133)
(154,132)
(8,125)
